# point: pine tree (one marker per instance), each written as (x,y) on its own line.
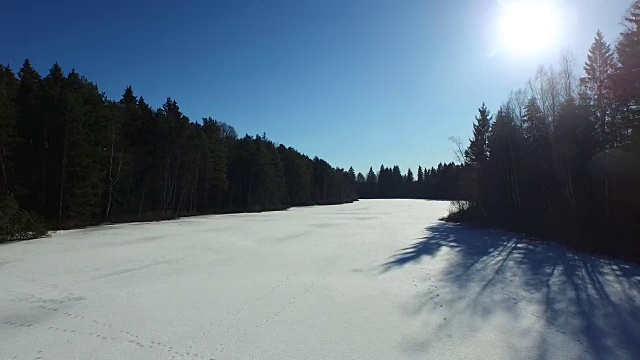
(420,174)
(477,153)
(372,183)
(81,168)
(536,127)
(351,174)
(29,128)
(628,76)
(596,86)
(384,182)
(53,113)
(298,176)
(409,186)
(409,178)
(396,182)
(504,143)
(8,117)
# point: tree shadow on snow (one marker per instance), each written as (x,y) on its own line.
(592,301)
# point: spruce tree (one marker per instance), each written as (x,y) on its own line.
(504,143)
(53,112)
(536,127)
(8,116)
(372,183)
(628,76)
(477,153)
(29,128)
(596,86)
(409,177)
(351,175)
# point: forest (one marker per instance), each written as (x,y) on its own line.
(437,183)
(71,157)
(561,157)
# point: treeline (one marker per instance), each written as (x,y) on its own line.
(561,158)
(441,183)
(69,156)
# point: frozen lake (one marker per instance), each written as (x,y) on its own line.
(376,279)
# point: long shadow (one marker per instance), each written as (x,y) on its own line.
(592,301)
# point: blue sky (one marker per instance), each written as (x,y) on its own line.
(356,82)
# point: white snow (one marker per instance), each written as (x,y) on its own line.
(377,279)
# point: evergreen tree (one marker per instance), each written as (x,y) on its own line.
(396,182)
(628,75)
(535,123)
(29,128)
(8,117)
(477,153)
(214,163)
(351,175)
(504,143)
(53,114)
(372,183)
(81,171)
(409,178)
(596,86)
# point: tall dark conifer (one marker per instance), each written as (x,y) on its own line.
(596,87)
(8,135)
(628,76)
(477,153)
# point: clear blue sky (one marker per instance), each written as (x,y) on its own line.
(356,82)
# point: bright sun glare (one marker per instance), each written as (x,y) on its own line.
(528,26)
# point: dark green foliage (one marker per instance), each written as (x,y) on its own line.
(8,115)
(626,79)
(596,89)
(477,153)
(298,175)
(31,144)
(441,183)
(73,157)
(571,174)
(504,144)
(16,223)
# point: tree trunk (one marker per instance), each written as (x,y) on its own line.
(250,188)
(195,185)
(206,188)
(63,174)
(110,186)
(514,179)
(4,172)
(44,165)
(144,188)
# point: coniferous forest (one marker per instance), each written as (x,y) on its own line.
(438,183)
(71,157)
(561,158)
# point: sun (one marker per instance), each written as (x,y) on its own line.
(528,26)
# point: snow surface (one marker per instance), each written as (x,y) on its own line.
(377,279)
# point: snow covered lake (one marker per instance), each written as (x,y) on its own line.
(376,279)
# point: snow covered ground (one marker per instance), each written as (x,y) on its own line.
(377,279)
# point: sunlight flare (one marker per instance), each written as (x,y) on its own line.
(528,27)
